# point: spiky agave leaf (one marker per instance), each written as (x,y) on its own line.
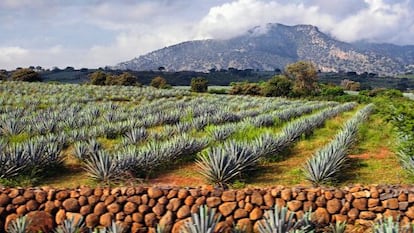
(114,228)
(19,225)
(278,220)
(221,133)
(135,136)
(11,126)
(390,226)
(205,221)
(338,227)
(13,160)
(162,228)
(102,167)
(71,225)
(326,164)
(217,166)
(242,155)
(80,149)
(281,220)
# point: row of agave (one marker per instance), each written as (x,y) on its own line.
(222,132)
(325,165)
(30,157)
(109,120)
(86,93)
(133,161)
(222,164)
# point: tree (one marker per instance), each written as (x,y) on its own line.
(98,78)
(279,85)
(305,77)
(159,82)
(199,84)
(127,79)
(245,88)
(331,90)
(350,85)
(3,75)
(26,75)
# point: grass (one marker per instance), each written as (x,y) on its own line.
(289,171)
(373,160)
(71,175)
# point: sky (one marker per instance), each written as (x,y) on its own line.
(97,33)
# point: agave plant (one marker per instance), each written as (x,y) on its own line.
(326,164)
(11,126)
(205,221)
(135,136)
(13,160)
(406,152)
(390,226)
(221,133)
(102,167)
(162,228)
(338,227)
(280,220)
(19,225)
(223,164)
(217,167)
(71,226)
(113,228)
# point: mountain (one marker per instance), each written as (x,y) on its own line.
(274,46)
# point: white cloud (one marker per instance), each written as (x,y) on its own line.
(10,54)
(374,20)
(379,22)
(237,17)
(115,31)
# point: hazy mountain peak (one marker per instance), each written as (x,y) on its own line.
(274,46)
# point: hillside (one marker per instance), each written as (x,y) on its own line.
(275,46)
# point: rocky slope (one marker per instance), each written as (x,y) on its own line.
(275,46)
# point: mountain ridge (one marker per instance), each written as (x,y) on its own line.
(273,47)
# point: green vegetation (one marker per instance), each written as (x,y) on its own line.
(199,84)
(304,76)
(26,75)
(279,85)
(101,78)
(159,82)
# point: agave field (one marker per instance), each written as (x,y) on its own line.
(118,133)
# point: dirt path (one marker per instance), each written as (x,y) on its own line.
(380,165)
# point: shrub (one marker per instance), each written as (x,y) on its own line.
(331,91)
(98,78)
(199,84)
(124,79)
(279,85)
(245,88)
(159,82)
(26,75)
(3,75)
(350,85)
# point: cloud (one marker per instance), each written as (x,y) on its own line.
(10,54)
(379,22)
(371,20)
(46,33)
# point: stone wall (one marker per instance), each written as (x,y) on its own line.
(141,208)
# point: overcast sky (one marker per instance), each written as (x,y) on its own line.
(96,33)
